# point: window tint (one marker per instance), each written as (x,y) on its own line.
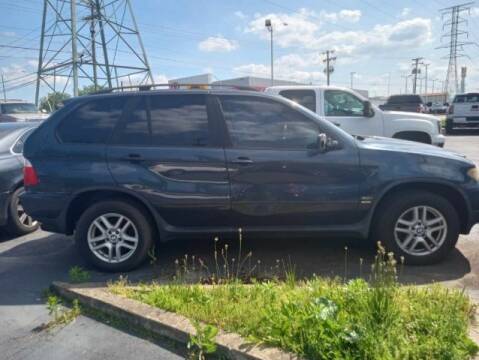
(93,122)
(179,120)
(468,98)
(17,148)
(262,123)
(133,130)
(307,98)
(341,103)
(403,99)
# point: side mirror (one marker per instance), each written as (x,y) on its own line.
(429,104)
(368,110)
(322,142)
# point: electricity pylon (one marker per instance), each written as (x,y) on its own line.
(456,41)
(90,42)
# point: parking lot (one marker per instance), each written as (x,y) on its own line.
(29,264)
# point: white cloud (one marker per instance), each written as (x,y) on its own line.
(240,14)
(217,44)
(8,33)
(288,67)
(475,12)
(352,16)
(405,12)
(160,79)
(298,30)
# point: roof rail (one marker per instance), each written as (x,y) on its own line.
(174,86)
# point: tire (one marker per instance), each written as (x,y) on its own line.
(18,222)
(449,127)
(400,206)
(91,226)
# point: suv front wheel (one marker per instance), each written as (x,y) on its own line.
(420,226)
(114,235)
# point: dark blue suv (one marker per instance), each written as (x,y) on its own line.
(123,170)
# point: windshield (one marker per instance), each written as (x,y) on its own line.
(18,108)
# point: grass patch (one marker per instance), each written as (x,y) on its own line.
(325,318)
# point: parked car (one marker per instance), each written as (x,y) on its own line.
(18,110)
(463,113)
(438,107)
(407,103)
(356,115)
(121,170)
(12,215)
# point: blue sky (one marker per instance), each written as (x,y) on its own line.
(375,39)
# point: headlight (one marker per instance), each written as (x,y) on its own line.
(473,173)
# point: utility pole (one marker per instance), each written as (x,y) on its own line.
(405,77)
(3,85)
(389,83)
(463,79)
(425,84)
(456,37)
(415,71)
(329,66)
(269,26)
(74,46)
(352,78)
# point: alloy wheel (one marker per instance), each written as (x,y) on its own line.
(113,238)
(24,218)
(420,230)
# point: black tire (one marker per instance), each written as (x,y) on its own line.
(449,127)
(137,216)
(17,225)
(394,206)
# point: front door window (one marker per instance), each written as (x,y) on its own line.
(342,103)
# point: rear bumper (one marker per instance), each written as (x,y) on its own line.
(463,121)
(4,201)
(48,209)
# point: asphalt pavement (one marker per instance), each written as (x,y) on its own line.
(29,264)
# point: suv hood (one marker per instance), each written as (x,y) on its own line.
(409,115)
(411,147)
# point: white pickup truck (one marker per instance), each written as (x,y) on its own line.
(463,113)
(356,115)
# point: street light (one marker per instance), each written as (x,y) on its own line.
(269,25)
(352,73)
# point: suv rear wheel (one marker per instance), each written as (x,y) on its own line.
(422,227)
(114,235)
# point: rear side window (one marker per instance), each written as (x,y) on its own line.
(306,98)
(91,123)
(467,98)
(179,120)
(134,130)
(403,99)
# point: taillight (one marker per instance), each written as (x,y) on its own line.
(451,109)
(30,177)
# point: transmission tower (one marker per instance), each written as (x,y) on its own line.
(456,35)
(90,42)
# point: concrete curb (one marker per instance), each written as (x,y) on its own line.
(163,323)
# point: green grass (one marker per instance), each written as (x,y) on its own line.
(327,319)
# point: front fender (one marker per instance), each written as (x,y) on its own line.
(400,125)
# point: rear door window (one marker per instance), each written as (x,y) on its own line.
(134,128)
(93,122)
(306,98)
(179,120)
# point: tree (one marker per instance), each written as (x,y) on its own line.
(89,89)
(53,101)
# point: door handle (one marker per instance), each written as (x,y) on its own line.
(242,160)
(133,157)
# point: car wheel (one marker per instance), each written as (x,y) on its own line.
(19,222)
(449,127)
(114,235)
(422,227)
